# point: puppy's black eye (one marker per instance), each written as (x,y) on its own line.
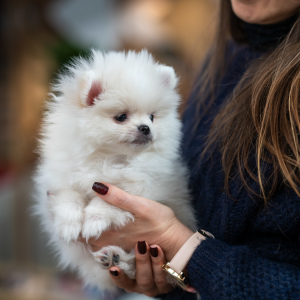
(121,118)
(151,117)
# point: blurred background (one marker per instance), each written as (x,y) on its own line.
(37,38)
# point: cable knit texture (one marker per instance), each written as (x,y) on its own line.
(256,250)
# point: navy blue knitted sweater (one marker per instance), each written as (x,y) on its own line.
(256,250)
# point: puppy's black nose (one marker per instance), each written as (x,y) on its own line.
(144,129)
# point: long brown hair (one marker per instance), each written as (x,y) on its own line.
(263,114)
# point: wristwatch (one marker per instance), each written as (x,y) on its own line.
(176,266)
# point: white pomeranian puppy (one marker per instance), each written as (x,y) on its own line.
(113,118)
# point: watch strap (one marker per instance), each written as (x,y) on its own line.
(181,258)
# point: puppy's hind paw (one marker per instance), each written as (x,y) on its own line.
(116,256)
(106,257)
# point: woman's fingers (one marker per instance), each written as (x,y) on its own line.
(150,278)
(120,198)
(144,276)
(159,276)
(143,283)
(121,280)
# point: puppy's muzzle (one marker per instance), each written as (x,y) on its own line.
(144,129)
(144,135)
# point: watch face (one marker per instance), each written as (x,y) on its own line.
(176,278)
(181,283)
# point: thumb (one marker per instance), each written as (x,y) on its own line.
(119,198)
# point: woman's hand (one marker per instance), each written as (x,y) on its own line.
(154,223)
(150,278)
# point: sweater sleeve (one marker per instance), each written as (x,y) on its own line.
(220,271)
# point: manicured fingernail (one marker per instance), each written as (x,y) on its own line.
(154,251)
(142,248)
(190,289)
(114,273)
(100,188)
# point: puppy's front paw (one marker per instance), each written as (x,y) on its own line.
(66,209)
(116,256)
(99,216)
(69,228)
(94,224)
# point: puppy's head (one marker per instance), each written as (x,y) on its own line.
(121,102)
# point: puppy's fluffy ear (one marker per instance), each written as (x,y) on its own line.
(94,92)
(90,90)
(168,76)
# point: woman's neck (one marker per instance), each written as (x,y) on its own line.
(266,37)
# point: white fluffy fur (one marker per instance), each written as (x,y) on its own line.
(83,143)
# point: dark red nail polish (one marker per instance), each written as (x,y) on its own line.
(114,273)
(100,188)
(154,251)
(142,248)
